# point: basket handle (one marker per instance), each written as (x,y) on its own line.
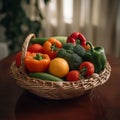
(24,49)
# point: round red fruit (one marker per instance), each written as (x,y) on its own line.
(86,68)
(73,75)
(18,58)
(35,48)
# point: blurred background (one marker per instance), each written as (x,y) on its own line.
(98,20)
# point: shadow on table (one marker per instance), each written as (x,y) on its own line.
(31,107)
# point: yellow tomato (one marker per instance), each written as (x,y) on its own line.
(59,67)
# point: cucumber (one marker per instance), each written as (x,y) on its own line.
(45,76)
(41,41)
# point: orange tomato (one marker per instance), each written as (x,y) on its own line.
(51,47)
(59,67)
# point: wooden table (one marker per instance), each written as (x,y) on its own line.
(103,103)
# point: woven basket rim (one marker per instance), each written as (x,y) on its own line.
(17,73)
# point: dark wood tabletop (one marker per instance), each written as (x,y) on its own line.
(102,103)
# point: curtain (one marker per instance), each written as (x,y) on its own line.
(98,20)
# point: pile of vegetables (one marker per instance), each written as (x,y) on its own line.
(62,58)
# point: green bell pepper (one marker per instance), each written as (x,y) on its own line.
(96,56)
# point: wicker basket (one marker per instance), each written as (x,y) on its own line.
(55,90)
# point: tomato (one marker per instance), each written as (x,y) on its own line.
(18,58)
(59,67)
(86,68)
(73,75)
(51,47)
(35,48)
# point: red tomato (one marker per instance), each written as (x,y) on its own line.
(86,68)
(35,48)
(73,75)
(18,58)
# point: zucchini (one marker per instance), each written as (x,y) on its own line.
(45,76)
(41,41)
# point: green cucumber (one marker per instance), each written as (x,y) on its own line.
(45,76)
(41,41)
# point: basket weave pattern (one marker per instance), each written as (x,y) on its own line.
(56,90)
